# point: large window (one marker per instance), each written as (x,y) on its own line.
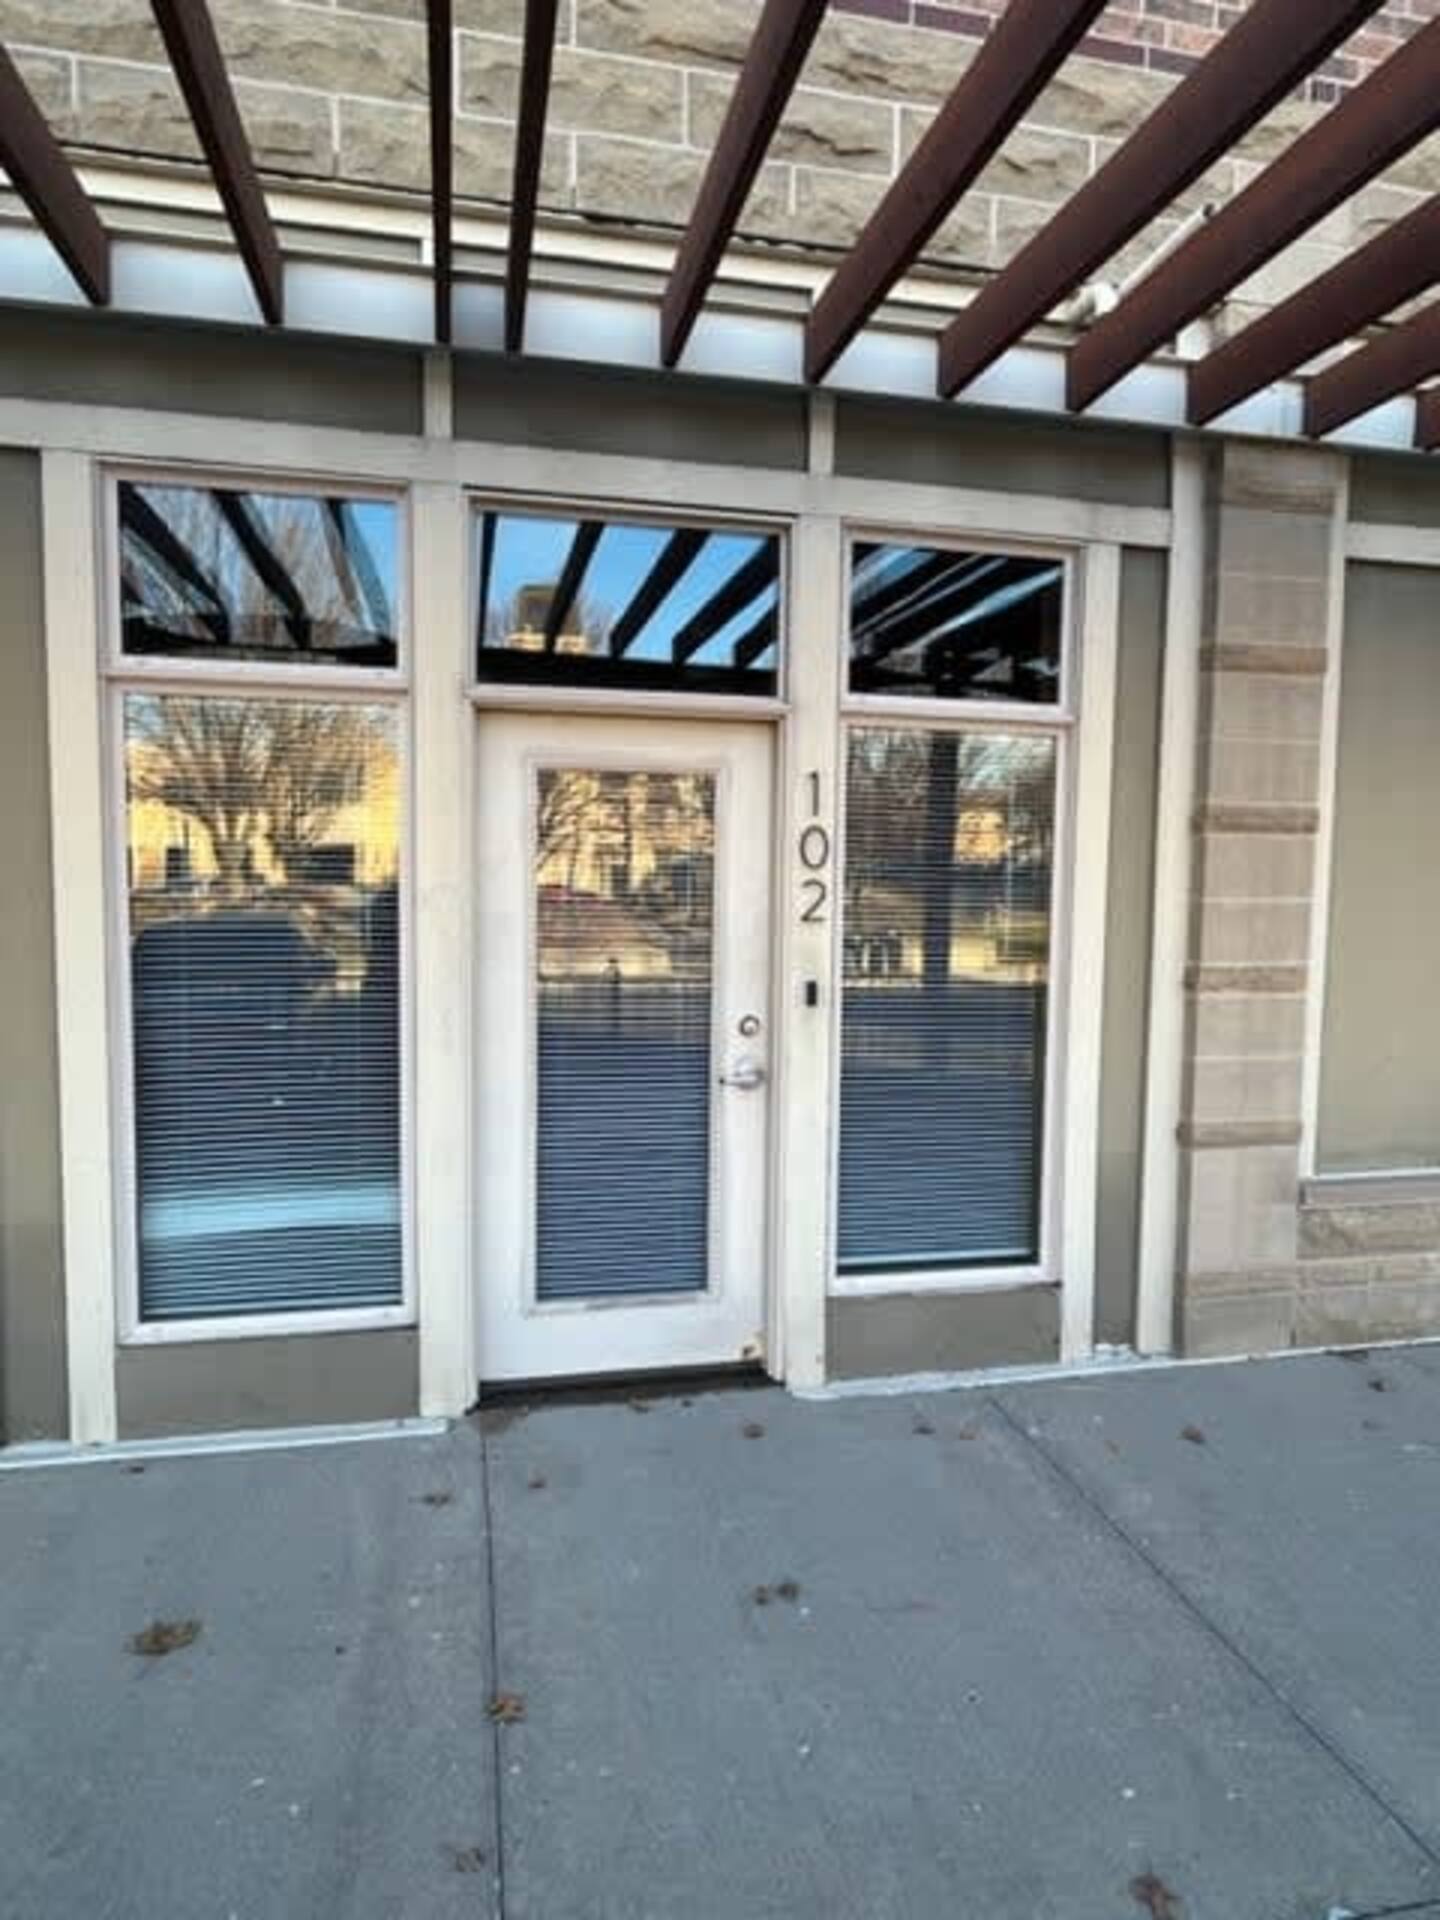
(950,836)
(262,890)
(563,601)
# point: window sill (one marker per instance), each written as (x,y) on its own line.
(869,1286)
(263,1326)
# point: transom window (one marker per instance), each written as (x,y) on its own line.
(941,623)
(622,604)
(225,573)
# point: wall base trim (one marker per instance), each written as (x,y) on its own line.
(50,1453)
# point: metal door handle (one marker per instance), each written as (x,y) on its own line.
(745,1075)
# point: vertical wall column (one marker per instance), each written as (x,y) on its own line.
(1277,525)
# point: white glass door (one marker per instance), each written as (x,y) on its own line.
(624,1064)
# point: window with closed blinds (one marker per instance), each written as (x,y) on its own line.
(624,877)
(949,844)
(263,874)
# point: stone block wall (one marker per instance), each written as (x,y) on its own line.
(1268,1260)
(335,91)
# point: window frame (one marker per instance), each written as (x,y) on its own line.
(1023,713)
(906,713)
(321,674)
(537,696)
(283,680)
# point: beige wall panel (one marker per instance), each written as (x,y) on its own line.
(1380,1071)
(32,1309)
(306,1380)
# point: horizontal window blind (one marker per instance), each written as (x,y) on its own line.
(262,840)
(949,846)
(624,876)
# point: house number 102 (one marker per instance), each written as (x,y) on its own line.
(814,852)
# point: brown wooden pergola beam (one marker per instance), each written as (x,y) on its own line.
(1026,46)
(535,64)
(1393,111)
(440,47)
(1397,361)
(1427,420)
(777,50)
(1266,53)
(1399,264)
(199,64)
(46,182)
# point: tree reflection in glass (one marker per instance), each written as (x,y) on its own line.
(263,874)
(949,856)
(624,876)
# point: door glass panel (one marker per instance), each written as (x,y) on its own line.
(624,880)
(949,848)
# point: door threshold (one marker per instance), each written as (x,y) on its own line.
(507,1398)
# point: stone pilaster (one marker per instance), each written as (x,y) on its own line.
(1274,522)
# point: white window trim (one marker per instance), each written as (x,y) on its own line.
(1082,724)
(1158,1241)
(284,680)
(77,816)
(1327,794)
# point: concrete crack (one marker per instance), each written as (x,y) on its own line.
(492,1601)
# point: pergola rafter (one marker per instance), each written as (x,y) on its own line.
(1265,53)
(47,183)
(1400,359)
(536,60)
(1025,48)
(772,65)
(1396,266)
(204,80)
(440,56)
(1370,129)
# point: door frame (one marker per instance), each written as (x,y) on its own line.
(520,1070)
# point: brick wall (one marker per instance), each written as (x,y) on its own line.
(1169,36)
(336,92)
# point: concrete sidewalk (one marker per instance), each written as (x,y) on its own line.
(1157,1644)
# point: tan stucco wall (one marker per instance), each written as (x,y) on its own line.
(107,361)
(1127,943)
(210,1386)
(32,1310)
(1380,1084)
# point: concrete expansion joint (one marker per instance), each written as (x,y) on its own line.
(1077,1488)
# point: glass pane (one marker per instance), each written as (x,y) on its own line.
(263,867)
(624,874)
(941,624)
(949,846)
(209,573)
(615,604)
